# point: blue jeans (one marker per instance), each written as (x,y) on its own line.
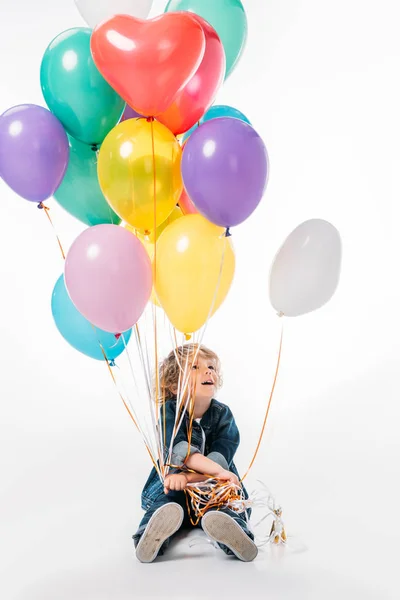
(180,498)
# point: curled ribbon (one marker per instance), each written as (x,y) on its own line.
(215,494)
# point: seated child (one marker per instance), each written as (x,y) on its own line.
(214,441)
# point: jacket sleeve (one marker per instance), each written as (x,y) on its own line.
(226,439)
(180,448)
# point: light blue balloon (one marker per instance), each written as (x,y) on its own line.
(215,112)
(78,331)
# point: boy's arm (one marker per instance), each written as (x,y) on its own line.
(195,477)
(178,481)
(222,449)
(202,464)
(209,468)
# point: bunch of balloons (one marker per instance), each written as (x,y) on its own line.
(133,147)
(118,94)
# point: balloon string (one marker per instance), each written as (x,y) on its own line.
(183,396)
(147,371)
(145,435)
(268,407)
(212,493)
(156,353)
(129,410)
(182,404)
(47,210)
(126,405)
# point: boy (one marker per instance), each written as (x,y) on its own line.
(214,441)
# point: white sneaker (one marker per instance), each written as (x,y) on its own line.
(223,529)
(163,523)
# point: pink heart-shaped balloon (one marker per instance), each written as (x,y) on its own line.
(148,62)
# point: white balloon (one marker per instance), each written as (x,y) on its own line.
(96,11)
(305,272)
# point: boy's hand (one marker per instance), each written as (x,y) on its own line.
(176,482)
(228,476)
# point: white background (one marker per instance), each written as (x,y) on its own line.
(320,82)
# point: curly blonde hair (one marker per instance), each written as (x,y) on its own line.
(173,366)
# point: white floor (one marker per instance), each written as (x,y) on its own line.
(69,506)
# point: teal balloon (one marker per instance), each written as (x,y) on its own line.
(80,193)
(229,20)
(78,332)
(74,89)
(215,112)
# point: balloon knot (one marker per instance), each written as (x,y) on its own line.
(40,205)
(280,314)
(228,232)
(117,336)
(188,336)
(112,363)
(95,147)
(149,119)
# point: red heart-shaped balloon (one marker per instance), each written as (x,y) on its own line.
(196,97)
(148,62)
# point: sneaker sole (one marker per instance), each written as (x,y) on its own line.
(223,529)
(164,522)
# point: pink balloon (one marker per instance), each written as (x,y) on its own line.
(108,276)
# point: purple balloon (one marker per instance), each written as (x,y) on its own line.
(225,170)
(34,151)
(129,113)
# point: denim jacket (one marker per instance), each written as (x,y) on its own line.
(221,442)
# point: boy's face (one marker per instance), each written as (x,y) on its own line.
(203,378)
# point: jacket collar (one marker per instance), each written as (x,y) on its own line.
(207,418)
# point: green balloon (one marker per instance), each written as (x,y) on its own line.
(228,19)
(74,89)
(79,192)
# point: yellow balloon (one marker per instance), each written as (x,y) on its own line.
(152,236)
(194,269)
(141,186)
(148,240)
